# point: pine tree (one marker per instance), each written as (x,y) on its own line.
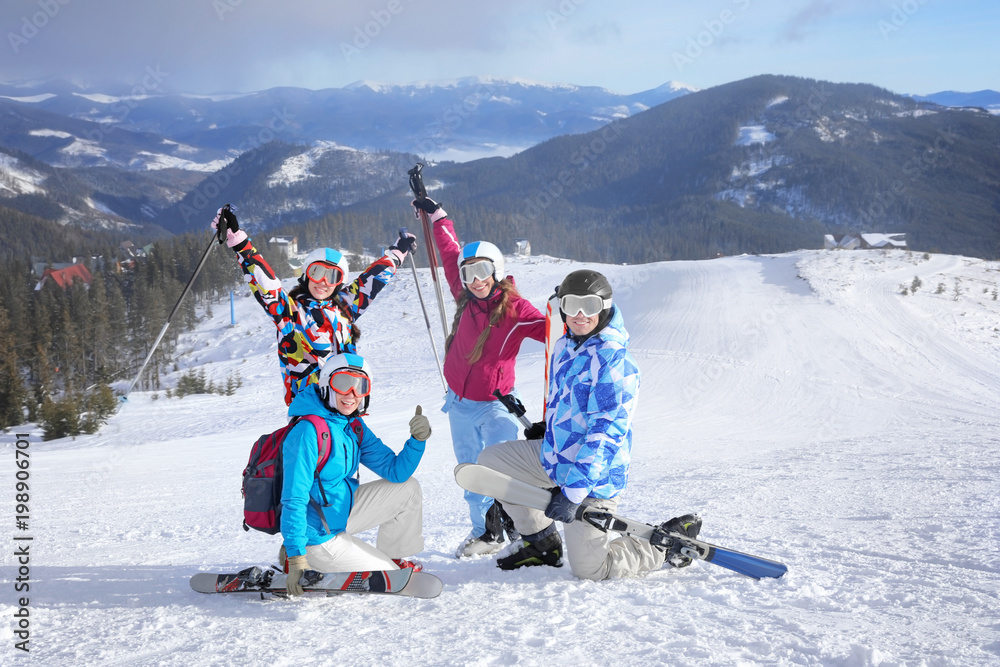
(12,390)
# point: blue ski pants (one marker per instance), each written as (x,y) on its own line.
(475,425)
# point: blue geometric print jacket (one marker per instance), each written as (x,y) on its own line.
(592,398)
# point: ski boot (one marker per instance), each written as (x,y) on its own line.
(688,525)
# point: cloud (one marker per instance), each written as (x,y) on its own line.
(814,12)
(219,43)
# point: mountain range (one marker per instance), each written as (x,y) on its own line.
(766,164)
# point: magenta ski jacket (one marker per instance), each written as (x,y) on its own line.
(495,368)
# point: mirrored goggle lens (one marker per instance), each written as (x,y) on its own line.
(590,304)
(480,270)
(343,382)
(318,272)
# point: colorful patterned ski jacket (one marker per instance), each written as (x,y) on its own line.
(495,367)
(593,389)
(300,521)
(310,330)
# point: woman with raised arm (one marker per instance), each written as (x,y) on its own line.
(491,321)
(316,318)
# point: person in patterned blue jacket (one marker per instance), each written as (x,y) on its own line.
(322,512)
(585,454)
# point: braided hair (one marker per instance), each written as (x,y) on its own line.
(497,313)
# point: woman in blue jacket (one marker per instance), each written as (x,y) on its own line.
(322,513)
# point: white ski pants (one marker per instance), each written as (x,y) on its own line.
(397,510)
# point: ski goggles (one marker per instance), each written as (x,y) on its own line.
(344,382)
(319,272)
(479,270)
(588,304)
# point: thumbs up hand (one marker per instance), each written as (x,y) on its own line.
(420,427)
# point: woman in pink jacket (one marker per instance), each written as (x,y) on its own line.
(490,323)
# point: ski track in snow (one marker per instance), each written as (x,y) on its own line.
(809,411)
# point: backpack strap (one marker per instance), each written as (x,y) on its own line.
(323,439)
(324,445)
(358,429)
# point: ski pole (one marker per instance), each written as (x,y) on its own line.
(514,406)
(220,237)
(427,320)
(420,192)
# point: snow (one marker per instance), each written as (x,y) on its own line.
(754,134)
(156,161)
(32,99)
(99,207)
(83,147)
(383,86)
(50,133)
(467,152)
(17,178)
(810,411)
(299,167)
(100,98)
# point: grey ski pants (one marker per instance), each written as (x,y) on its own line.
(592,553)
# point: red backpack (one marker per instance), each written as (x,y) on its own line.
(263,475)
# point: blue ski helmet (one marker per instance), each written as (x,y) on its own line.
(339,362)
(327,256)
(486,250)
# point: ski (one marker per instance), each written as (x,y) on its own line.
(555,328)
(489,482)
(269,580)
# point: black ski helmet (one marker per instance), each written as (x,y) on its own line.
(587,281)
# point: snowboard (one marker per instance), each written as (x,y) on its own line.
(489,482)
(269,580)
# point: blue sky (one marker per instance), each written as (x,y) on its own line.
(907,46)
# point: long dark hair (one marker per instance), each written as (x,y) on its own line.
(497,313)
(301,293)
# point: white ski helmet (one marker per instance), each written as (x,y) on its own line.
(327,256)
(486,250)
(339,362)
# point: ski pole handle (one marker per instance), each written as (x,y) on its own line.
(514,406)
(417,181)
(221,227)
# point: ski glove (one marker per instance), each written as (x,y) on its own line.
(561,508)
(426,204)
(405,243)
(296,566)
(234,235)
(535,432)
(430,207)
(420,426)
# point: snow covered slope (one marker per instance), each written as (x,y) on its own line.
(805,406)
